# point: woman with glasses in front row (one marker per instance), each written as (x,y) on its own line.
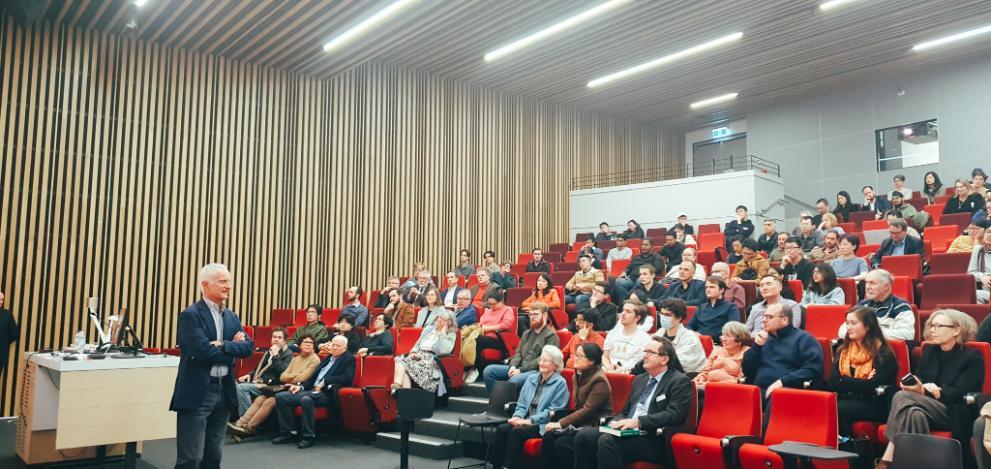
(593,400)
(932,398)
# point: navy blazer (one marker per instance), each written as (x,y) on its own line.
(912,246)
(342,373)
(443,293)
(197,356)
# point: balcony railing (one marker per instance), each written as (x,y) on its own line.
(716,166)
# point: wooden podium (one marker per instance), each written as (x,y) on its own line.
(84,409)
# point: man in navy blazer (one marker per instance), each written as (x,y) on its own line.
(210,338)
(899,243)
(334,372)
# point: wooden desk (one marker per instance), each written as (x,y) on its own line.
(69,408)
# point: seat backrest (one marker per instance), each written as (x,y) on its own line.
(917,451)
(957,220)
(940,236)
(869,225)
(559,248)
(407,339)
(827,356)
(949,263)
(824,321)
(948,288)
(282,317)
(710,241)
(524,258)
(900,347)
(903,288)
(583,236)
(706,344)
(248,364)
(515,296)
(503,392)
(618,266)
(909,265)
(569,377)
(263,336)
(849,287)
(561,278)
(791,412)
(978,312)
(731,409)
(935,212)
(709,228)
(330,316)
(858,218)
(530,279)
(656,232)
(620,384)
(749,291)
(796,289)
(985,349)
(377,370)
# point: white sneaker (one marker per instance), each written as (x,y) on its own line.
(471,375)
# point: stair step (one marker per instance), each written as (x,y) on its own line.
(467,404)
(444,424)
(420,445)
(476,389)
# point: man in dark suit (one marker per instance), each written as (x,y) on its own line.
(335,371)
(9,333)
(210,338)
(658,398)
(898,244)
(873,203)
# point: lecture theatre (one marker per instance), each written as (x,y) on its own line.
(554,234)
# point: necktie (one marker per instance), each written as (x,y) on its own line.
(644,399)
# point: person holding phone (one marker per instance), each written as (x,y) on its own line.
(933,396)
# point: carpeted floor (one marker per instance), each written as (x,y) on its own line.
(255,453)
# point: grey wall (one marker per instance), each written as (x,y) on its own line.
(826,144)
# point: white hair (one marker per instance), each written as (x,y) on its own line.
(340,338)
(882,275)
(210,272)
(555,355)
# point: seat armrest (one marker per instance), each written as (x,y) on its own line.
(977,399)
(510,408)
(560,414)
(731,447)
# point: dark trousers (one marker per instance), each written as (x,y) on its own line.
(980,452)
(852,410)
(508,445)
(286,403)
(485,342)
(605,451)
(557,451)
(200,432)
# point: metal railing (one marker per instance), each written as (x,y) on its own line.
(716,166)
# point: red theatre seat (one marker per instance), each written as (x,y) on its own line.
(959,220)
(849,287)
(246,365)
(710,241)
(263,336)
(451,367)
(368,405)
(559,248)
(824,321)
(620,383)
(323,413)
(688,425)
(940,236)
(281,317)
(618,266)
(948,288)
(730,409)
(709,228)
(407,339)
(515,296)
(874,225)
(908,265)
(509,339)
(524,258)
(530,279)
(949,263)
(583,236)
(791,411)
(858,218)
(978,312)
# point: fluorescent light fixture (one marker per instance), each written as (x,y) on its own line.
(553,29)
(951,38)
(716,100)
(824,6)
(666,59)
(367,24)
(140,3)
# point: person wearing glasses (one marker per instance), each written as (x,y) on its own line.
(932,398)
(526,359)
(724,364)
(782,355)
(593,400)
(894,314)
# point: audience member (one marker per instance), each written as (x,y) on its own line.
(591,248)
(495,319)
(725,363)
(683,223)
(906,211)
(585,334)
(847,264)
(344,327)
(874,204)
(741,227)
(672,249)
(620,252)
(768,240)
(735,250)
(593,400)
(544,391)
(464,312)
(894,314)
(770,290)
(967,242)
(979,182)
(431,310)
(980,267)
(626,281)
(604,234)
(751,265)
(606,312)
(794,266)
(450,294)
(538,263)
(684,238)
(313,328)
(544,293)
(893,215)
(822,208)
(420,365)
(320,390)
(899,243)
(712,315)
(483,289)
(808,237)
(779,251)
(383,299)
(505,277)
(672,315)
(489,263)
(411,282)
(299,370)
(786,292)
(984,216)
(734,291)
(829,249)
(946,372)
(863,360)
(688,288)
(782,354)
(625,343)
(844,205)
(899,182)
(633,231)
(401,312)
(465,266)
(829,223)
(353,307)
(965,200)
(274,361)
(579,288)
(824,289)
(379,339)
(524,362)
(414,295)
(658,398)
(933,187)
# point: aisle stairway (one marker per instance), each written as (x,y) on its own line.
(434,437)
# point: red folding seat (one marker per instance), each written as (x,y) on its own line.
(942,199)
(903,288)
(472,281)
(368,406)
(705,259)
(532,446)
(867,429)
(749,292)
(959,220)
(620,383)
(710,241)
(263,336)
(730,410)
(858,218)
(330,316)
(559,248)
(689,312)
(250,330)
(322,413)
(940,236)
(248,364)
(949,263)
(515,296)
(577,246)
(583,236)
(451,366)
(517,269)
(563,337)
(796,289)
(605,246)
(827,357)
(874,225)
(849,287)
(935,211)
(949,289)
(709,228)
(374,295)
(824,321)
(917,203)
(706,344)
(524,258)
(688,425)
(281,317)
(791,412)
(562,277)
(656,232)
(848,227)
(909,265)
(618,266)
(976,311)
(509,339)
(299,318)
(363,298)
(407,339)
(634,244)
(553,258)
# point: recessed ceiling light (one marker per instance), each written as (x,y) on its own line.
(666,59)
(951,38)
(367,24)
(140,3)
(824,6)
(712,101)
(553,29)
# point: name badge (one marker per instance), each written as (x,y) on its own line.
(660,397)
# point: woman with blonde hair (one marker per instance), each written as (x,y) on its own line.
(725,363)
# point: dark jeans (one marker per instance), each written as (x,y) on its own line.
(508,446)
(285,406)
(557,451)
(200,432)
(605,451)
(852,410)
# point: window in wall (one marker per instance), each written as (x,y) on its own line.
(907,145)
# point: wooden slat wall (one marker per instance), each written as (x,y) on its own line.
(125,166)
